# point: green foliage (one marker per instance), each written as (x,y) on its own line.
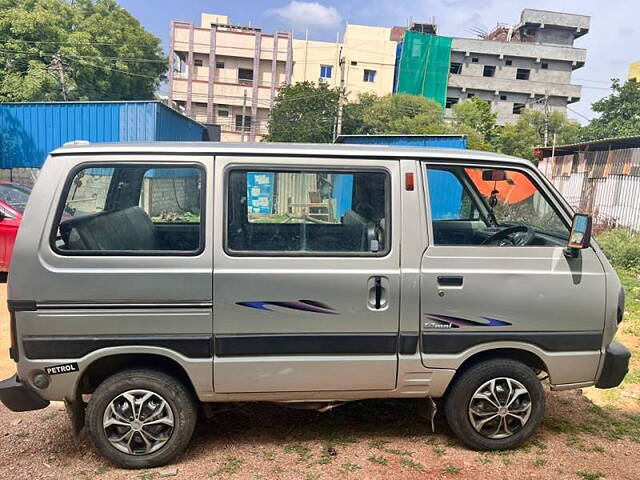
(81,50)
(588,475)
(619,113)
(403,113)
(621,248)
(303,112)
(518,139)
(476,114)
(353,116)
(230,466)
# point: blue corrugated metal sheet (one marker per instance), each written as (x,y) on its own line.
(436,141)
(29,131)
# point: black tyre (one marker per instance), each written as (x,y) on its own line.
(495,405)
(141,418)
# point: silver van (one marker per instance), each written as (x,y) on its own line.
(148,278)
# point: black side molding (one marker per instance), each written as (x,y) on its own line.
(21,305)
(37,348)
(456,341)
(408,343)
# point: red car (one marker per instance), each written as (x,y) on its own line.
(13,200)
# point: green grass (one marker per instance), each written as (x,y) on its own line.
(452,470)
(350,467)
(302,451)
(621,248)
(588,475)
(410,464)
(540,462)
(379,460)
(230,466)
(438,451)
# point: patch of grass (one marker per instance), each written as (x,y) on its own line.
(147,475)
(621,248)
(438,451)
(588,475)
(452,470)
(230,466)
(506,462)
(22,435)
(379,460)
(540,462)
(302,451)
(311,476)
(49,416)
(578,443)
(483,459)
(408,463)
(379,444)
(398,451)
(350,467)
(561,425)
(269,455)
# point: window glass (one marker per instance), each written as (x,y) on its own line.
(16,196)
(132,208)
(325,71)
(308,211)
(369,76)
(491,207)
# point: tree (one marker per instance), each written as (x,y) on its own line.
(518,139)
(403,113)
(619,113)
(303,112)
(76,50)
(476,114)
(353,116)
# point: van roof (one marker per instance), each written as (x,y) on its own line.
(288,149)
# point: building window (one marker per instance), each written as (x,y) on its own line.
(471,95)
(489,71)
(544,65)
(309,212)
(197,62)
(223,110)
(451,101)
(354,64)
(200,104)
(369,76)
(326,71)
(503,97)
(522,74)
(508,62)
(219,64)
(455,68)
(474,60)
(517,108)
(247,123)
(245,76)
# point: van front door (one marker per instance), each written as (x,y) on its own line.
(306,275)
(495,274)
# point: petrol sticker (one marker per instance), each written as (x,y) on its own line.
(66,368)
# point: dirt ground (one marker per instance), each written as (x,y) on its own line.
(372,440)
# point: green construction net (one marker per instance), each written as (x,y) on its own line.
(424,66)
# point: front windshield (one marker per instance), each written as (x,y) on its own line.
(517,201)
(16,196)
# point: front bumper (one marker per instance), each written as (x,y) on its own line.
(616,366)
(19,396)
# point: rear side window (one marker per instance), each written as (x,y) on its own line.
(308,212)
(133,209)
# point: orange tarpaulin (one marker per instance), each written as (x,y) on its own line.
(514,190)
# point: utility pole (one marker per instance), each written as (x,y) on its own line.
(244,110)
(341,64)
(58,65)
(546,118)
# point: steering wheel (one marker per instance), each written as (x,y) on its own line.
(518,236)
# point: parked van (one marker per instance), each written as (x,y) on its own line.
(147,278)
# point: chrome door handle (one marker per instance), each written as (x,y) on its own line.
(377,293)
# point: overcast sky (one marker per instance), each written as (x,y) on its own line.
(612,42)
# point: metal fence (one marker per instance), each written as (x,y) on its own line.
(605,184)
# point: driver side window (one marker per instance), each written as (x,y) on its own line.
(472,206)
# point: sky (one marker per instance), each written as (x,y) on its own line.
(612,42)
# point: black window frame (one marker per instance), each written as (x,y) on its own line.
(489,68)
(238,127)
(517,108)
(246,81)
(289,254)
(198,62)
(520,73)
(475,60)
(503,97)
(219,64)
(62,201)
(544,66)
(451,101)
(508,62)
(455,68)
(366,74)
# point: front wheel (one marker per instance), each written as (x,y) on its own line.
(141,418)
(495,405)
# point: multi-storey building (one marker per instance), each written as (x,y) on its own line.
(634,71)
(526,65)
(228,75)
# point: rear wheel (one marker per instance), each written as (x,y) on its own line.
(495,405)
(141,418)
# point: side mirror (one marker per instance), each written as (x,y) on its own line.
(580,236)
(494,175)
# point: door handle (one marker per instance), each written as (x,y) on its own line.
(378,283)
(378,293)
(450,281)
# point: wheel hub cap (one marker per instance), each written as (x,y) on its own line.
(500,408)
(138,422)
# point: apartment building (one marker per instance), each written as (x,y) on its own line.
(228,74)
(634,71)
(523,66)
